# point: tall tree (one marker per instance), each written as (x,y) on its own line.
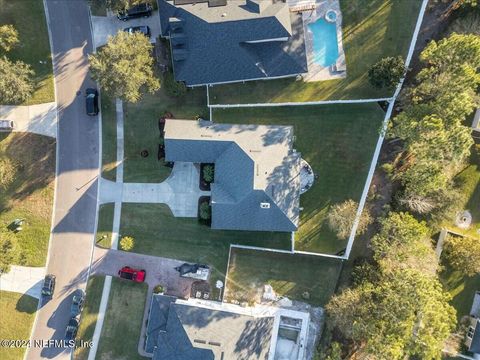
(116,5)
(463,254)
(124,67)
(387,72)
(403,243)
(341,216)
(16,83)
(8,37)
(405,315)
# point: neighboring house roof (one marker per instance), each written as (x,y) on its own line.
(257,181)
(473,343)
(475,310)
(233,42)
(184,332)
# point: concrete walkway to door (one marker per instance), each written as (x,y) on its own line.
(180,191)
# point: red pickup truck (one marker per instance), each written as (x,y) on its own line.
(132,274)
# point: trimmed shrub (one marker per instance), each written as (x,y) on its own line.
(387,72)
(205,211)
(158,289)
(208,173)
(127,243)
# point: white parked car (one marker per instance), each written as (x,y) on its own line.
(6,125)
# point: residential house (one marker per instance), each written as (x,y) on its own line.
(472,340)
(225,41)
(257,171)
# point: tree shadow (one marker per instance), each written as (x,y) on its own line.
(27,304)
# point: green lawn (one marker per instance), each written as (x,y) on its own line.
(338,141)
(157,232)
(27,172)
(17,313)
(289,275)
(141,131)
(109,138)
(123,321)
(89,314)
(469,181)
(28,17)
(462,289)
(372,29)
(105,225)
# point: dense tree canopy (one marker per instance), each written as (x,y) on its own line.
(387,72)
(8,37)
(405,315)
(403,243)
(116,5)
(16,83)
(436,141)
(124,67)
(463,254)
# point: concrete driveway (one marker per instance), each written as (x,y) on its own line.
(38,119)
(24,280)
(160,271)
(105,26)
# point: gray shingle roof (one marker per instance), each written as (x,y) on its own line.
(475,345)
(204,334)
(213,44)
(254,165)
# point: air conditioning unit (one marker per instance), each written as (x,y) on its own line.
(265,205)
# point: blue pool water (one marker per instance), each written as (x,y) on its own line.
(325,46)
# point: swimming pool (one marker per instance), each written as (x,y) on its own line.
(325,43)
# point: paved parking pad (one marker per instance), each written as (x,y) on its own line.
(104,26)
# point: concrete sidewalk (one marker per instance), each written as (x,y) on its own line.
(24,280)
(38,119)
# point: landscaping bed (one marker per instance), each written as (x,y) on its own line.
(157,232)
(372,29)
(16,320)
(338,142)
(123,320)
(28,18)
(304,278)
(27,173)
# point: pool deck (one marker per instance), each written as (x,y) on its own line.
(317,72)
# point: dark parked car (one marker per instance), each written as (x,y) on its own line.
(145,30)
(92,102)
(140,10)
(72,329)
(6,125)
(48,285)
(77,304)
(132,274)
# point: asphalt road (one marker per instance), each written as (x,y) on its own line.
(78,170)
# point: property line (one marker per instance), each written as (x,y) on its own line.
(320,254)
(294,103)
(224,290)
(376,154)
(247,247)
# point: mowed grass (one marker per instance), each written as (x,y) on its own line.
(462,289)
(142,133)
(372,30)
(109,138)
(28,17)
(27,169)
(469,183)
(17,313)
(123,321)
(338,141)
(89,314)
(289,275)
(105,225)
(157,232)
